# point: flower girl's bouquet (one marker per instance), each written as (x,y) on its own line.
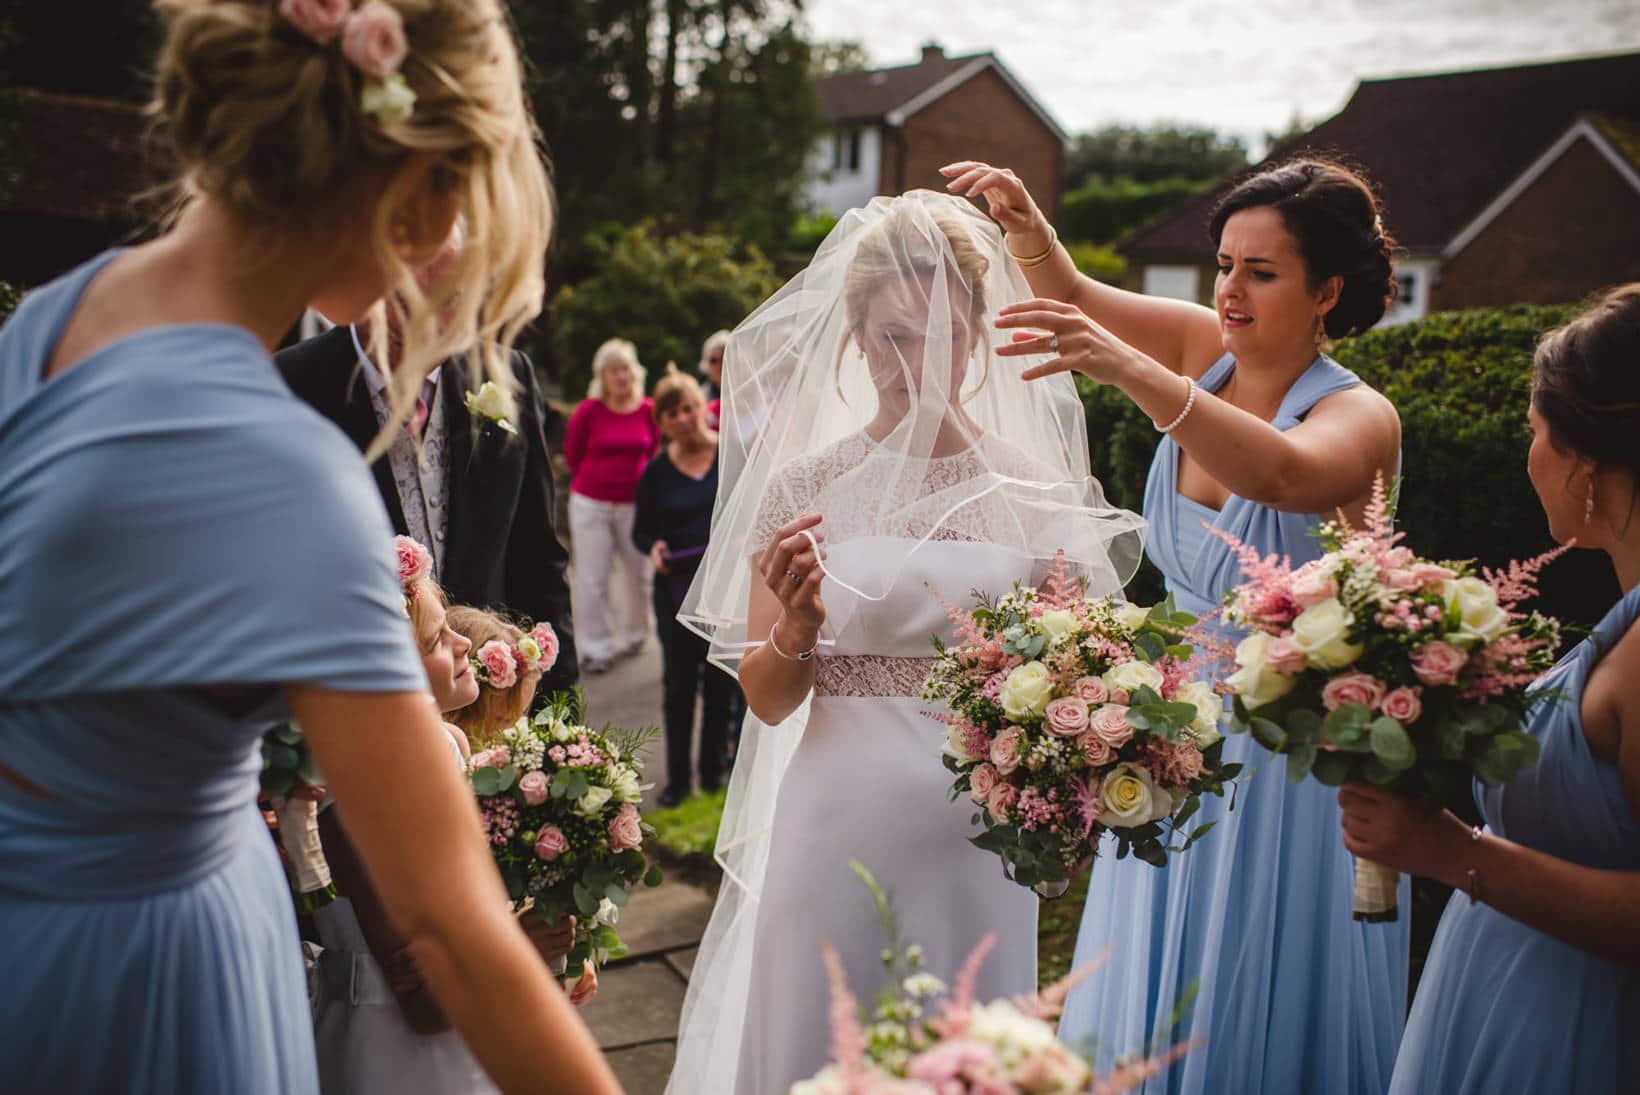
(560,807)
(292,782)
(1068,717)
(917,1044)
(1372,664)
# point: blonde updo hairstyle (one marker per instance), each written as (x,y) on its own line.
(906,242)
(496,708)
(612,351)
(267,121)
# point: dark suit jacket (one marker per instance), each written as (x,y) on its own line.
(500,548)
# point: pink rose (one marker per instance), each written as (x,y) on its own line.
(1090,690)
(1402,581)
(1361,688)
(1438,663)
(1005,750)
(1396,558)
(497,659)
(492,758)
(624,830)
(550,843)
(320,20)
(415,562)
(1001,799)
(949,1065)
(980,782)
(1066,717)
(547,639)
(533,787)
(1097,749)
(1283,657)
(1403,705)
(1110,724)
(1429,574)
(373,39)
(1314,582)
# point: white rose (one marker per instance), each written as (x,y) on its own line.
(1480,620)
(1204,729)
(529,648)
(490,402)
(1131,676)
(624,782)
(1132,616)
(1256,682)
(608,911)
(595,799)
(1130,797)
(1321,634)
(1056,624)
(1026,692)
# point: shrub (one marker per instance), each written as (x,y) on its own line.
(1097,260)
(665,294)
(1106,211)
(10,297)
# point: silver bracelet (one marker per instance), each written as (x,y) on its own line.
(803,657)
(1189,404)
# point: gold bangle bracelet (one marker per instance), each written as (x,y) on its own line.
(1037,260)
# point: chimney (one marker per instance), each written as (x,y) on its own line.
(932,51)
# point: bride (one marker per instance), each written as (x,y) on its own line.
(877,459)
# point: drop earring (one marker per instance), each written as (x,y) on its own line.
(1588,502)
(1320,328)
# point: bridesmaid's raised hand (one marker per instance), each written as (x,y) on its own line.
(1077,342)
(1010,204)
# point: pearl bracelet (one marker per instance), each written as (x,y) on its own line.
(1474,876)
(1189,405)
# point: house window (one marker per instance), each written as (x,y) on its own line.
(845,151)
(1178,282)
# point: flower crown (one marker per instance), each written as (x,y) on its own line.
(501,665)
(415,563)
(372,36)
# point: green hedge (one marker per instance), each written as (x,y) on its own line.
(10,296)
(1106,211)
(1461,381)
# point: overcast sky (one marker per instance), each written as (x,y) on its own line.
(1242,68)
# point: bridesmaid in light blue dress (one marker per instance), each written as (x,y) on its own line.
(1533,982)
(1245,943)
(188,554)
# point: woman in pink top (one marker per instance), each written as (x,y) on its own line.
(609,439)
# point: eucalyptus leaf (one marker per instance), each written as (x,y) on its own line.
(1333,769)
(1299,762)
(585,903)
(652,877)
(616,894)
(1391,745)
(1268,734)
(486,782)
(1304,726)
(1378,773)
(508,775)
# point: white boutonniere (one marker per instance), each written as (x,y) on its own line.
(491,404)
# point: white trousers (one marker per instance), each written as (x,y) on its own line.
(610,613)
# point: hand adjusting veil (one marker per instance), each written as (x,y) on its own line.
(865,391)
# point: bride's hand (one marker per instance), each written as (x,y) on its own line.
(1080,344)
(1010,204)
(791,570)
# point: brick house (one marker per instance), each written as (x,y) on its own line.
(892,129)
(1502,186)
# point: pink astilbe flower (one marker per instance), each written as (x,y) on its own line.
(1050,1002)
(1503,665)
(1265,596)
(1059,589)
(1174,676)
(962,991)
(1519,581)
(848,1038)
(1135,1073)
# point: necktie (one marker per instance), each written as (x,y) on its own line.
(418,421)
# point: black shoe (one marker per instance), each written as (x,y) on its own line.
(671,797)
(710,786)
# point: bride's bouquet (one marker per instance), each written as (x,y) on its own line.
(1373,664)
(560,807)
(1068,717)
(918,1044)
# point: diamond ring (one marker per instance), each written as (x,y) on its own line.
(1053,343)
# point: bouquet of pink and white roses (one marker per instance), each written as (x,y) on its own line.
(560,807)
(1373,664)
(918,1045)
(1067,717)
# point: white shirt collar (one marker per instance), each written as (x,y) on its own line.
(373,375)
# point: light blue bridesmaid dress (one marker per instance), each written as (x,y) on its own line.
(178,537)
(1504,1007)
(1291,994)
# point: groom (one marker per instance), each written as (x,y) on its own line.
(481,497)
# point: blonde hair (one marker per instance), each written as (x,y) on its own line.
(267,121)
(674,388)
(613,350)
(496,708)
(717,340)
(426,601)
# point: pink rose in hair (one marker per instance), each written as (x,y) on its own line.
(1403,705)
(533,786)
(980,782)
(1066,717)
(1283,657)
(415,561)
(1438,663)
(320,20)
(1001,800)
(373,39)
(551,843)
(1111,725)
(1097,749)
(624,830)
(1005,750)
(497,659)
(1090,690)
(547,639)
(1361,688)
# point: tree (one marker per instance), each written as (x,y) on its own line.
(1149,154)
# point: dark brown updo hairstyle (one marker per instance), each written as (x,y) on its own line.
(1338,223)
(1586,381)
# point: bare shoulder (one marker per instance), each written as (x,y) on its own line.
(1364,411)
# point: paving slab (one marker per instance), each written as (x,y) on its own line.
(636,1003)
(643,1070)
(683,962)
(669,917)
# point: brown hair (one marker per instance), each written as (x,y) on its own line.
(673,388)
(1338,222)
(496,708)
(1586,381)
